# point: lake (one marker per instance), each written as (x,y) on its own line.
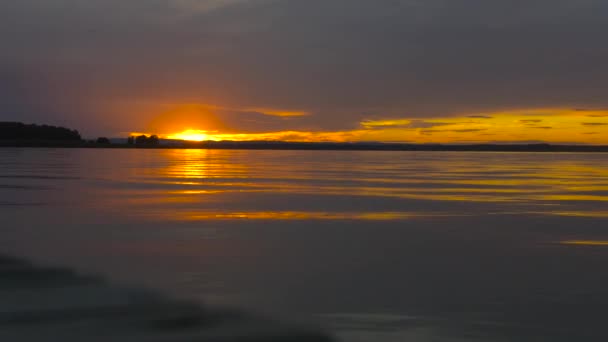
(375,246)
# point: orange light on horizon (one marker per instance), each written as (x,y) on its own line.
(190,135)
(549,125)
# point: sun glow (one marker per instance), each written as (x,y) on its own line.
(191,135)
(548,125)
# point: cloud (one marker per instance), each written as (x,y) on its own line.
(174,118)
(386,123)
(518,142)
(590,110)
(114,64)
(401,123)
(541,127)
(426,124)
(479,117)
(467,130)
(530,121)
(278,112)
(595,124)
(464,130)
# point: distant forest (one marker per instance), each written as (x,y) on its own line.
(17,131)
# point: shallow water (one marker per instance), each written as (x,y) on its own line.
(377,246)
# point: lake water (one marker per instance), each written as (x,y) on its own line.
(375,246)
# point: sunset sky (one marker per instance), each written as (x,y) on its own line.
(310,70)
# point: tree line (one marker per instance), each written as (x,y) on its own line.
(143,140)
(21,131)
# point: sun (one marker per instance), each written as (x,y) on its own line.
(190,135)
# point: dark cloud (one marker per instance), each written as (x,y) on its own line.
(499,142)
(251,121)
(108,64)
(426,124)
(479,117)
(589,110)
(541,127)
(530,121)
(464,130)
(468,130)
(595,124)
(401,123)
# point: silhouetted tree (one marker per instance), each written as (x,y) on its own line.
(147,140)
(131,140)
(103,140)
(141,140)
(21,131)
(153,140)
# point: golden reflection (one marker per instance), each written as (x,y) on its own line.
(462,195)
(196,184)
(584,243)
(198,166)
(574,197)
(302,215)
(598,214)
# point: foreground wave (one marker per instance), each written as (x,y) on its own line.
(55,304)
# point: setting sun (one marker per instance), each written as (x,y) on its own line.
(190,135)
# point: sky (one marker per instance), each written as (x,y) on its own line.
(310,70)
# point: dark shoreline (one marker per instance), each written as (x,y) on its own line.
(269,145)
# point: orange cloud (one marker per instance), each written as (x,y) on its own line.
(275,112)
(559,125)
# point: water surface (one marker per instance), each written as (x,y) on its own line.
(378,246)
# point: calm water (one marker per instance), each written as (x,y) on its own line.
(378,246)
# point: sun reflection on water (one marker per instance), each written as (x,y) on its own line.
(190,184)
(584,243)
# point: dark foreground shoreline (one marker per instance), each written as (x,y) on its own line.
(271,145)
(57,304)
